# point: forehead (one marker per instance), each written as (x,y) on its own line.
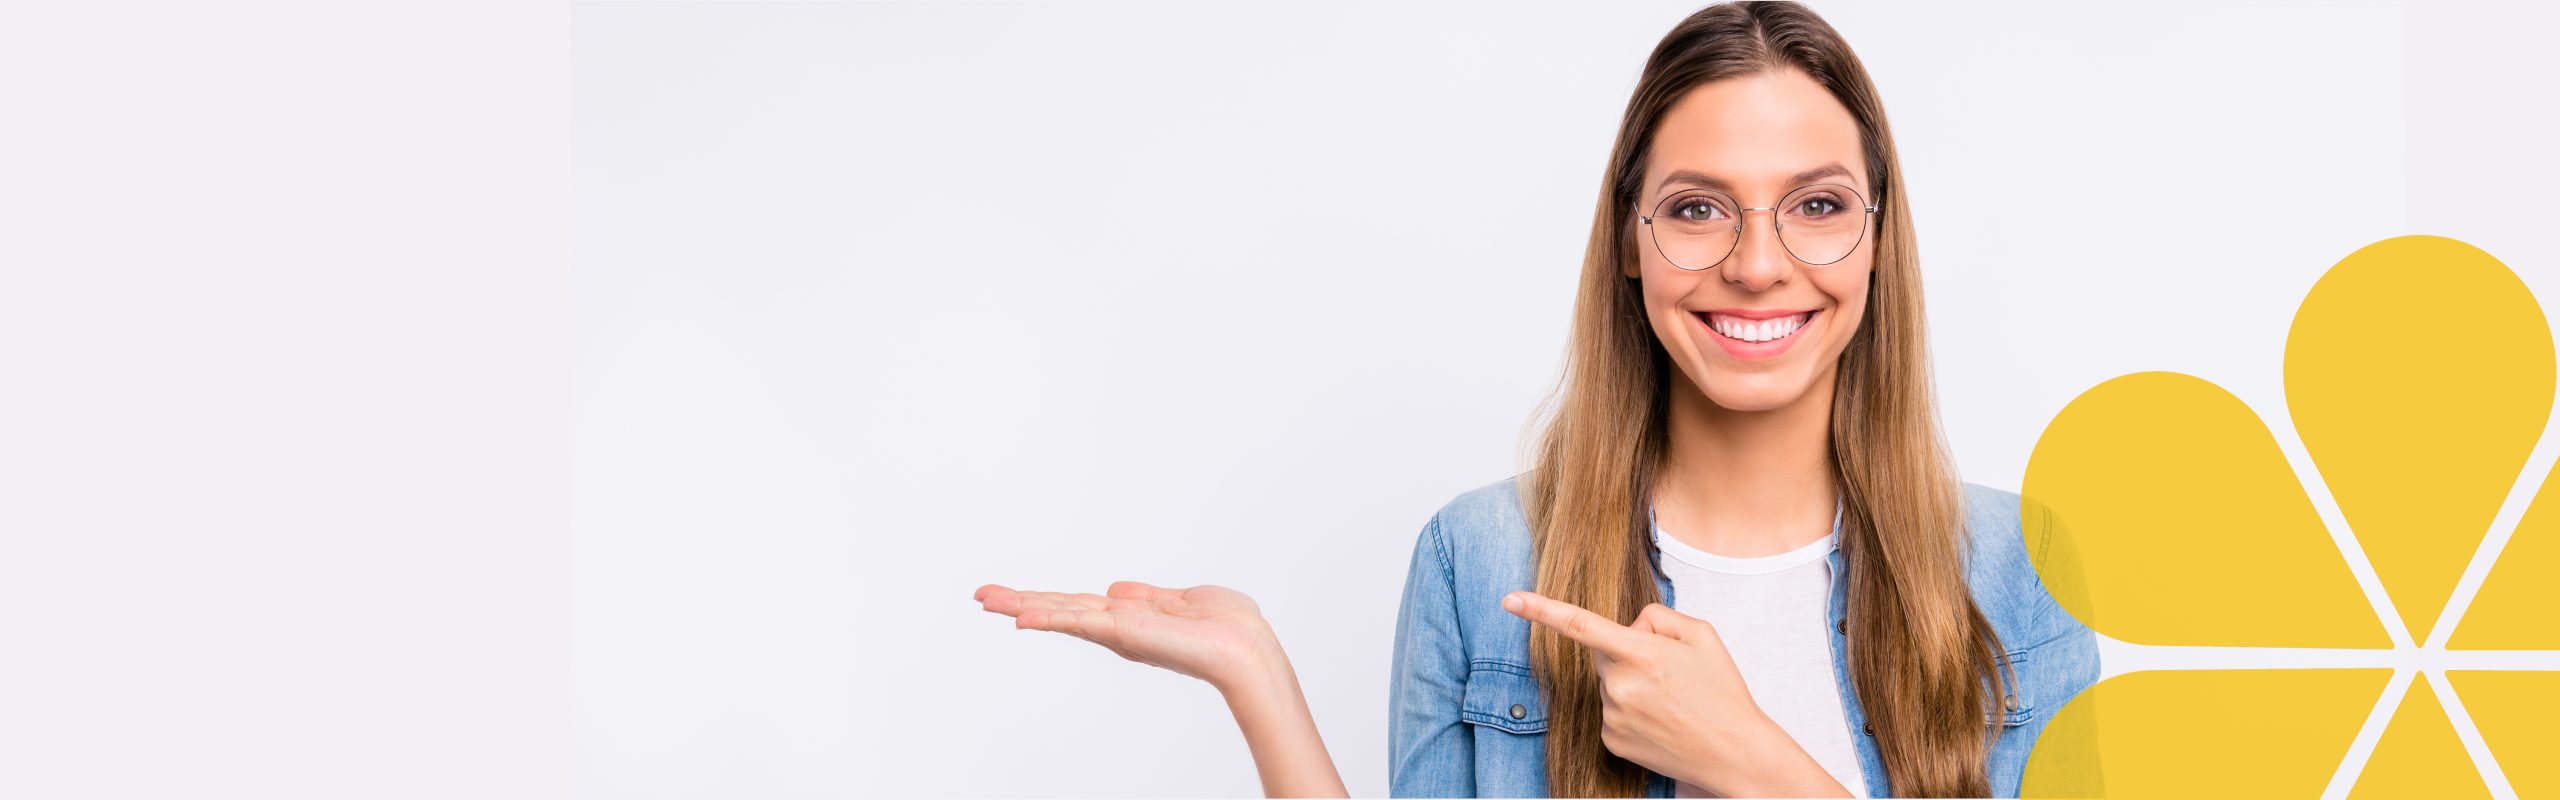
(1755,131)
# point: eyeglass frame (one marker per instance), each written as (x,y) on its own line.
(1652,233)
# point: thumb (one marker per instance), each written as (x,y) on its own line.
(1664,620)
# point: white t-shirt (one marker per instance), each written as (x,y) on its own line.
(1773,614)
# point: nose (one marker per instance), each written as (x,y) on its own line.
(1759,261)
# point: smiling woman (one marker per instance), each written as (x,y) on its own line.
(1746,391)
(1751,392)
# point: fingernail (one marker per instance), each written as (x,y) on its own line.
(1512,602)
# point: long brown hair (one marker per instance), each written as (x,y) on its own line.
(1921,657)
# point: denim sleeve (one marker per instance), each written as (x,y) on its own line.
(1431,752)
(2071,763)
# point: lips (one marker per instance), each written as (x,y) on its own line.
(1756,327)
(1753,334)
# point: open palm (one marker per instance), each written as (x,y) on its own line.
(1208,632)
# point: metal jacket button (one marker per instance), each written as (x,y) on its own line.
(1844,626)
(1519,711)
(2010,702)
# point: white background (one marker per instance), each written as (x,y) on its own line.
(330,467)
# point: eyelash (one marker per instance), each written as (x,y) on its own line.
(1836,205)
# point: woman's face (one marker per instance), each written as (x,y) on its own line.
(1755,138)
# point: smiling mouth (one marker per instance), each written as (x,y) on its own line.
(1756,330)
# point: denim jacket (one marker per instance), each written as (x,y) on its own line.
(1466,718)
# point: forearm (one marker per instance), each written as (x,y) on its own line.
(1775,766)
(1791,772)
(1281,731)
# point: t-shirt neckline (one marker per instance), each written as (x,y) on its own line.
(1755,565)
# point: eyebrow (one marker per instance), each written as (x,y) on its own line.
(1696,178)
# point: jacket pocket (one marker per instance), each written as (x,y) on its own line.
(1503,695)
(2017,702)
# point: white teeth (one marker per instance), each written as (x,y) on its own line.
(1758,330)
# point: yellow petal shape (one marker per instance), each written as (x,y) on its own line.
(2516,606)
(2419,755)
(2203,733)
(2419,373)
(2185,524)
(2514,711)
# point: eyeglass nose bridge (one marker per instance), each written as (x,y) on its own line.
(1737,225)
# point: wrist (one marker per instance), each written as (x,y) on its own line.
(1262,692)
(1261,667)
(1770,764)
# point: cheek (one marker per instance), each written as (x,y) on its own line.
(1847,290)
(1662,312)
(1847,287)
(1662,291)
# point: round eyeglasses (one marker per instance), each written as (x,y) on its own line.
(1819,224)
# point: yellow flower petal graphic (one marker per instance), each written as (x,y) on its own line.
(2419,372)
(2203,733)
(2516,604)
(2419,755)
(2515,711)
(2189,526)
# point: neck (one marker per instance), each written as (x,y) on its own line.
(1747,483)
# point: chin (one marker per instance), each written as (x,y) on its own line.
(1756,392)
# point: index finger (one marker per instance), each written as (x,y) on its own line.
(1576,623)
